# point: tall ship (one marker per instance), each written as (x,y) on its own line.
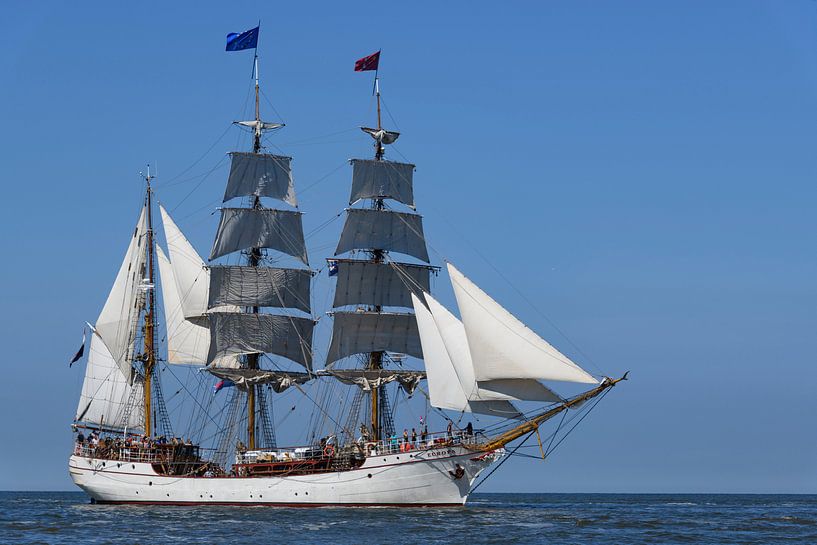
(238,330)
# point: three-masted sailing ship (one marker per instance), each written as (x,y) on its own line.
(241,322)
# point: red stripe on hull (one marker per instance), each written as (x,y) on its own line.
(269,504)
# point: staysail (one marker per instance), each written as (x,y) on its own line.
(116,325)
(445,387)
(455,340)
(189,271)
(501,346)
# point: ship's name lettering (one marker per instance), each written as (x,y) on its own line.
(441,452)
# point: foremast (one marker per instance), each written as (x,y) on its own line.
(377,284)
(377,256)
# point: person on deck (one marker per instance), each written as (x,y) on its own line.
(469,429)
(414,437)
(450,431)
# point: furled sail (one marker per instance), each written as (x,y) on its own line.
(382,135)
(116,325)
(189,271)
(385,230)
(455,340)
(244,228)
(244,378)
(368,379)
(379,284)
(383,180)
(239,333)
(444,385)
(261,175)
(360,332)
(106,392)
(259,286)
(501,346)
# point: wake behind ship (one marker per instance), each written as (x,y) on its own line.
(246,318)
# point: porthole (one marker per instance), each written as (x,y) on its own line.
(150,483)
(296,493)
(133,466)
(251,495)
(168,495)
(369,475)
(306,493)
(137,492)
(118,465)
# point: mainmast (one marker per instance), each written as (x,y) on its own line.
(254,259)
(252,285)
(149,354)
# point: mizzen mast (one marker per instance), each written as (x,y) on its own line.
(149,353)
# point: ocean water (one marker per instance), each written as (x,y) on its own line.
(68,517)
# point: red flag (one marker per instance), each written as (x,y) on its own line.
(367,63)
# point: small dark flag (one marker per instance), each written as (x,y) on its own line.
(367,63)
(80,352)
(333,268)
(244,40)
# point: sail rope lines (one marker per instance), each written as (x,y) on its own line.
(565,361)
(506,279)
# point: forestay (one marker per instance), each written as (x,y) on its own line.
(106,392)
(259,286)
(244,228)
(117,323)
(234,333)
(379,284)
(383,180)
(385,230)
(501,346)
(261,175)
(361,332)
(444,385)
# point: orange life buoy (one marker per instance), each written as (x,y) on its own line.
(329,451)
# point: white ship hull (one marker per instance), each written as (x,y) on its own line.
(417,478)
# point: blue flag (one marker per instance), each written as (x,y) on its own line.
(245,40)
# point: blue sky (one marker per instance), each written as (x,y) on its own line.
(643,172)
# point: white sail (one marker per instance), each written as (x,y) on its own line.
(444,388)
(106,392)
(191,276)
(455,341)
(188,341)
(116,325)
(501,346)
